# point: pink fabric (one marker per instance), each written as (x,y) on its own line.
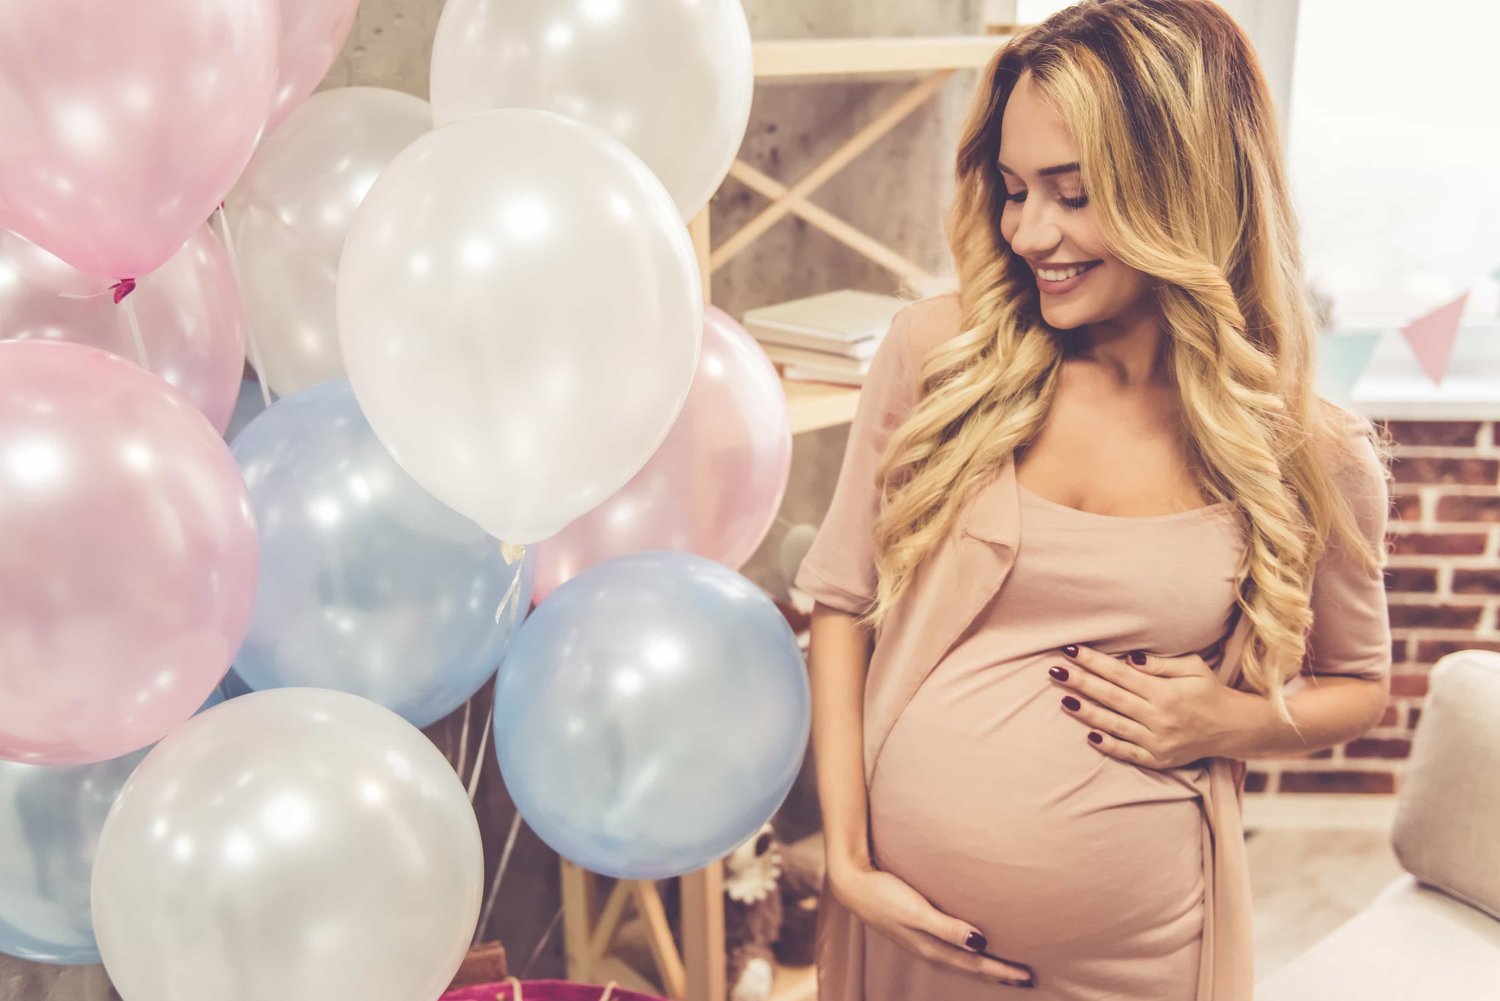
(955,589)
(543,990)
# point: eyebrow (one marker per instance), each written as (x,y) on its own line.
(1061,168)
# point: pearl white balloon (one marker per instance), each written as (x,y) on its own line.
(671,79)
(290,212)
(520,310)
(298,844)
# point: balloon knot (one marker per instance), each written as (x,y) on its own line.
(122,288)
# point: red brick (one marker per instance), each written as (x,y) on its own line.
(1324,782)
(1429,651)
(1419,579)
(1454,434)
(1468,507)
(1438,543)
(1439,469)
(1412,715)
(1480,580)
(1405,616)
(1389,717)
(1255,781)
(1373,747)
(1406,507)
(1322,753)
(1398,650)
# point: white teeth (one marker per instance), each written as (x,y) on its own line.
(1058,276)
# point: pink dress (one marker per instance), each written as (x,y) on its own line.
(1112,881)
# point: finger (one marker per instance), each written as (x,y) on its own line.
(1124,750)
(1112,723)
(1111,667)
(957,942)
(1103,688)
(982,964)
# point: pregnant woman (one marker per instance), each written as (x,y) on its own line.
(1096,541)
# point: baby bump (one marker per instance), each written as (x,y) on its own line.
(989,800)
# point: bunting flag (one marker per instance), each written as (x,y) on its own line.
(1341,361)
(1432,335)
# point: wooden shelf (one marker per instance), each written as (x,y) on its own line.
(815,405)
(851,57)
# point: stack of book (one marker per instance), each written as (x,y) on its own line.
(824,338)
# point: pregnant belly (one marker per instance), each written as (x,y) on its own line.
(989,800)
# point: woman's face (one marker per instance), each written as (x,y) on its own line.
(1046,220)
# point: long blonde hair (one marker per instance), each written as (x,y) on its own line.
(1178,148)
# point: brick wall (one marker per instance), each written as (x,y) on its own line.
(1443,580)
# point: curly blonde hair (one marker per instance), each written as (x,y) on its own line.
(1178,147)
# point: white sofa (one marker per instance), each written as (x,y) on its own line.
(1433,934)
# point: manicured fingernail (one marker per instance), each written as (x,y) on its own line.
(1071,703)
(1060,673)
(1096,737)
(1071,650)
(976,941)
(1137,657)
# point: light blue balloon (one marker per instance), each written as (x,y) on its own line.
(368,584)
(50,818)
(652,713)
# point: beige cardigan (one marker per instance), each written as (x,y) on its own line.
(1351,636)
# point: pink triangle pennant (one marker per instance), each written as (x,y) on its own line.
(1432,336)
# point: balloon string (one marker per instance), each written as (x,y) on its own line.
(250,342)
(463,741)
(489,898)
(135,329)
(545,936)
(506,550)
(484,739)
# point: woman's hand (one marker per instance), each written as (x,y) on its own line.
(903,915)
(1160,712)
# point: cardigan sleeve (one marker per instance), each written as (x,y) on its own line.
(839,568)
(1351,629)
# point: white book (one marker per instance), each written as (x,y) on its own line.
(863,348)
(830,321)
(799,373)
(785,355)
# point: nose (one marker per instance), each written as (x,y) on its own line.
(1035,235)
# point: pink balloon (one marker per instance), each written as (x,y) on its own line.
(713,487)
(128,568)
(125,125)
(189,311)
(312,33)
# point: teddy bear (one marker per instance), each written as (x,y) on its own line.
(770,911)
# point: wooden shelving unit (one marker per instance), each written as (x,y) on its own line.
(597,931)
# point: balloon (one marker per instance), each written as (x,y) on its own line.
(289,215)
(124,128)
(520,310)
(128,570)
(651,715)
(715,484)
(671,79)
(188,310)
(312,33)
(50,816)
(288,845)
(368,584)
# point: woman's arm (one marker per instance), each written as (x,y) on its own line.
(1331,711)
(838,657)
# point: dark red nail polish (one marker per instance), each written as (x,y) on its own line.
(1060,673)
(1138,657)
(1071,703)
(1096,737)
(1071,650)
(976,941)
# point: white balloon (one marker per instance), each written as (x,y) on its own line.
(289,214)
(297,844)
(520,310)
(671,79)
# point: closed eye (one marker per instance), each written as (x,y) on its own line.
(1072,203)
